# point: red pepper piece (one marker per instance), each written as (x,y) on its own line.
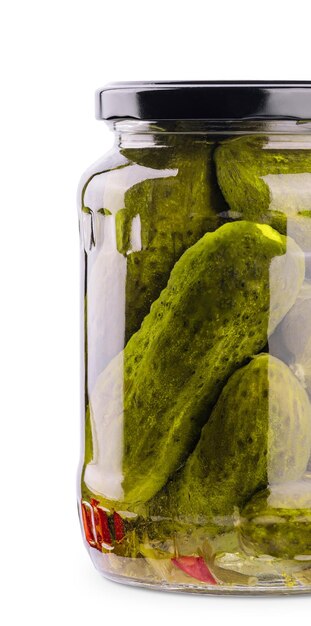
(196,567)
(103,526)
(94,502)
(87,525)
(118,526)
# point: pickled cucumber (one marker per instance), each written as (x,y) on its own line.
(224,296)
(261,178)
(277,521)
(258,433)
(165,216)
(266,181)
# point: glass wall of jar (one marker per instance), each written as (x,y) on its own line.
(196,379)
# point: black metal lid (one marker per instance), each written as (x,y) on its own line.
(205,100)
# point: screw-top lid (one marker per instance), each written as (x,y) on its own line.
(205,100)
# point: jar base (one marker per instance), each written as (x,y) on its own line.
(111,567)
(209,589)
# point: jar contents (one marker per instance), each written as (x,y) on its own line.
(197,313)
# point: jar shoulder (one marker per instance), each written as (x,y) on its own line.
(94,177)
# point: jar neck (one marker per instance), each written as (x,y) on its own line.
(139,134)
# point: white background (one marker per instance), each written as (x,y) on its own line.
(53,56)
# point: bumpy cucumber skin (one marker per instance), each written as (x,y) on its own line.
(213,315)
(281,531)
(242,164)
(258,433)
(174,212)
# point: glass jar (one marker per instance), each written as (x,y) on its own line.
(196,317)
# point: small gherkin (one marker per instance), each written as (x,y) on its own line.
(258,433)
(225,295)
(267,179)
(163,216)
(261,177)
(277,521)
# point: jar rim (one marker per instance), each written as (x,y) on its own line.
(208,129)
(205,100)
